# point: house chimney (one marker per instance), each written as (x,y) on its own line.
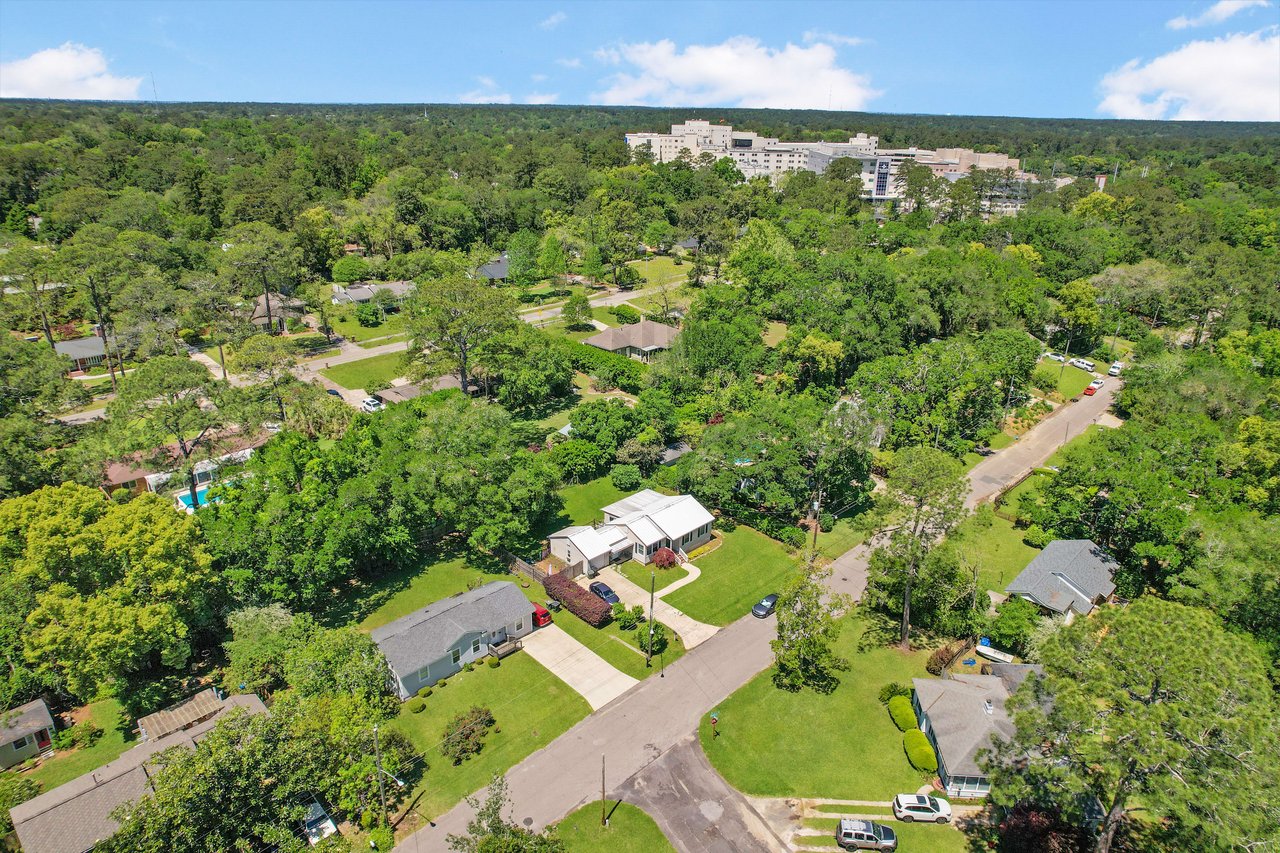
(988,707)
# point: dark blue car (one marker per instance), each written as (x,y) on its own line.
(765,606)
(603,591)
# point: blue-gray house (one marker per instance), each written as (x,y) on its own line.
(438,640)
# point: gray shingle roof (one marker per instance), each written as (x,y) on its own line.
(424,636)
(645,335)
(87,347)
(1069,574)
(24,720)
(74,817)
(498,268)
(956,708)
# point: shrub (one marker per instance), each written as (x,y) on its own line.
(416,706)
(826,522)
(190,337)
(493,663)
(919,751)
(441,683)
(625,617)
(904,717)
(381,838)
(465,735)
(1037,537)
(791,536)
(625,477)
(726,524)
(576,600)
(368,315)
(625,314)
(425,692)
(659,638)
(85,734)
(1016,620)
(939,660)
(893,688)
(665,558)
(609,367)
(470,666)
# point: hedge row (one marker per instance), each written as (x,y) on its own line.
(627,373)
(587,607)
(904,716)
(919,751)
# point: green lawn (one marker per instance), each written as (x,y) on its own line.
(911,836)
(744,569)
(67,765)
(532,708)
(388,598)
(619,648)
(999,441)
(998,552)
(1012,500)
(630,830)
(848,533)
(351,329)
(1091,432)
(582,502)
(382,342)
(841,745)
(639,575)
(1071,380)
(660,269)
(367,371)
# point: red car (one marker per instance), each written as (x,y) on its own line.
(541,616)
(1090,391)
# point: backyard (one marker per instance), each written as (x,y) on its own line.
(843,745)
(68,764)
(997,551)
(582,502)
(374,603)
(630,830)
(372,371)
(532,708)
(619,648)
(744,569)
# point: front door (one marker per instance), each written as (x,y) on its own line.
(42,739)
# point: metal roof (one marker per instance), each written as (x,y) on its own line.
(188,712)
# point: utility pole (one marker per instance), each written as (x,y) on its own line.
(382,791)
(817,513)
(604,821)
(648,651)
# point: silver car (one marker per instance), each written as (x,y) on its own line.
(865,835)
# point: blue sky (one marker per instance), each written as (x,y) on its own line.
(1182,59)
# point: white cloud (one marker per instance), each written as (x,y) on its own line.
(542,97)
(1233,78)
(553,21)
(537,78)
(812,36)
(738,72)
(70,71)
(1215,14)
(488,93)
(569,62)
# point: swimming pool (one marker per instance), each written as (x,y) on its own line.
(202,498)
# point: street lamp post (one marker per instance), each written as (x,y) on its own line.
(648,651)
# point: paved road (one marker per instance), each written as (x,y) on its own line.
(633,731)
(692,804)
(1001,470)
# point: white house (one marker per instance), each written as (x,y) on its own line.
(635,528)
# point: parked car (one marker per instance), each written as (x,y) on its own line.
(1055,356)
(333,392)
(541,616)
(765,606)
(602,590)
(910,807)
(1083,364)
(865,835)
(371,405)
(1093,387)
(317,825)
(1115,369)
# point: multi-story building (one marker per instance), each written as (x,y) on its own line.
(760,155)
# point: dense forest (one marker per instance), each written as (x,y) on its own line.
(822,342)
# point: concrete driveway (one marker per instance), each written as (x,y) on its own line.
(577,666)
(691,631)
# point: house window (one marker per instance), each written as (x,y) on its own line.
(685,539)
(424,674)
(475,645)
(21,743)
(455,656)
(519,625)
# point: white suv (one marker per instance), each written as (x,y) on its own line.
(909,807)
(371,404)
